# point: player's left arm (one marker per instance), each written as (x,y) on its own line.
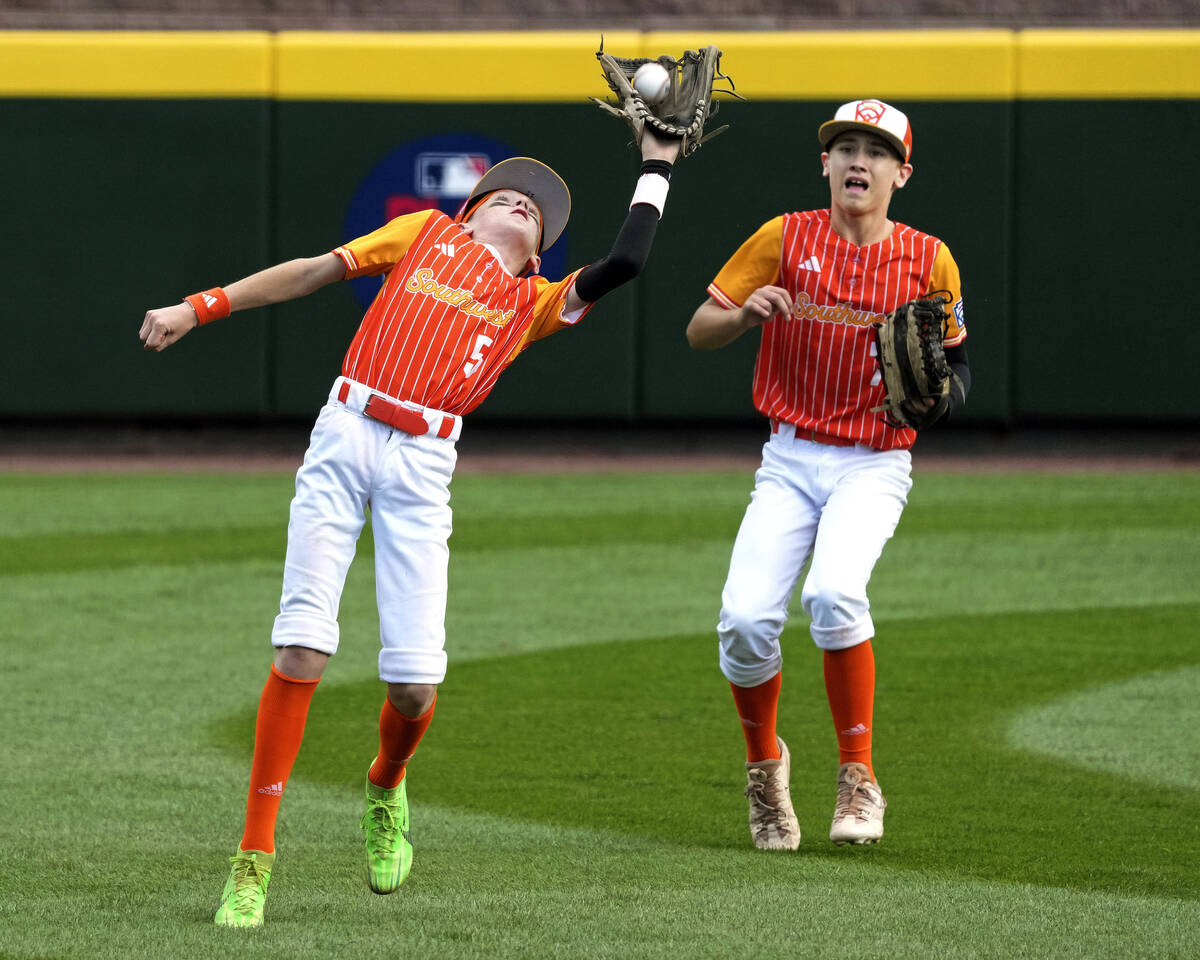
(945,276)
(632,246)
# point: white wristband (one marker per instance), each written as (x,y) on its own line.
(652,189)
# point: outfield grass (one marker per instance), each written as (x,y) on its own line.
(579,794)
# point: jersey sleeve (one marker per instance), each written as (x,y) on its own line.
(382,249)
(754,265)
(548,315)
(944,276)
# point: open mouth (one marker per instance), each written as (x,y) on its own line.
(856,184)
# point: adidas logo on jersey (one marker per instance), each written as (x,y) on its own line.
(812,263)
(274,790)
(446,249)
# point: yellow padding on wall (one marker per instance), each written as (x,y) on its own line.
(1108,64)
(434,67)
(560,66)
(49,63)
(911,65)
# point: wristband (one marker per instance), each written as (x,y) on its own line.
(663,167)
(209,305)
(652,189)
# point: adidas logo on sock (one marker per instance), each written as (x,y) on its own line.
(274,790)
(857,730)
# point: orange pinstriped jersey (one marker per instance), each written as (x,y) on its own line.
(819,370)
(449,317)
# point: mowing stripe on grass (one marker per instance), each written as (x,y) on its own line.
(580,793)
(1146,728)
(639,738)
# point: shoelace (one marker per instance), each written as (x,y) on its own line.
(379,814)
(248,882)
(756,788)
(858,800)
(771,815)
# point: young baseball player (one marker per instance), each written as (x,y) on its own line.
(460,299)
(834,476)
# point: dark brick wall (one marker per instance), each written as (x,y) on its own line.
(589,14)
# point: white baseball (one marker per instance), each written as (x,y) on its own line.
(652,81)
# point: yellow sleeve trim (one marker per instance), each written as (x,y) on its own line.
(378,251)
(945,276)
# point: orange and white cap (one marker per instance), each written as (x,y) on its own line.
(534,179)
(874,116)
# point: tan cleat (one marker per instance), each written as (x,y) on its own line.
(858,816)
(773,823)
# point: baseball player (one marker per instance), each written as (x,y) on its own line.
(460,299)
(834,476)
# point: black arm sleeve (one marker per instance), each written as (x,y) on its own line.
(626,258)
(957,358)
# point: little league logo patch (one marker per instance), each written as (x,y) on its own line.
(958,313)
(870,111)
(435,172)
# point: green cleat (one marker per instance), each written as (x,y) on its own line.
(245,892)
(389,846)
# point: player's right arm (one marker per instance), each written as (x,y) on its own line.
(284,281)
(745,294)
(713,325)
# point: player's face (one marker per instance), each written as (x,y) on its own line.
(508,216)
(863,171)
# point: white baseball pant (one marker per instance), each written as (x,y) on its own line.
(353,462)
(837,505)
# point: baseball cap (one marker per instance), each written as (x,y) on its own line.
(538,182)
(874,116)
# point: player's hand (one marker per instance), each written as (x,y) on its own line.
(164,326)
(658,148)
(765,304)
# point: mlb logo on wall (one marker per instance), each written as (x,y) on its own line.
(435,172)
(450,174)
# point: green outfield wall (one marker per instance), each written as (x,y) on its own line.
(1058,165)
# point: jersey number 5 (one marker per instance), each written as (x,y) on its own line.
(482,342)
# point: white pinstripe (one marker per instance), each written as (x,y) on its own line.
(419,345)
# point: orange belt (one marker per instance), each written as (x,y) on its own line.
(814,437)
(401,417)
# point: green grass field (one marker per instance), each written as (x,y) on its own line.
(580,791)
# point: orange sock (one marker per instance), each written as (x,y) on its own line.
(850,687)
(282,712)
(398,739)
(756,707)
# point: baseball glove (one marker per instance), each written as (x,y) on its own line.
(686,108)
(913,363)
